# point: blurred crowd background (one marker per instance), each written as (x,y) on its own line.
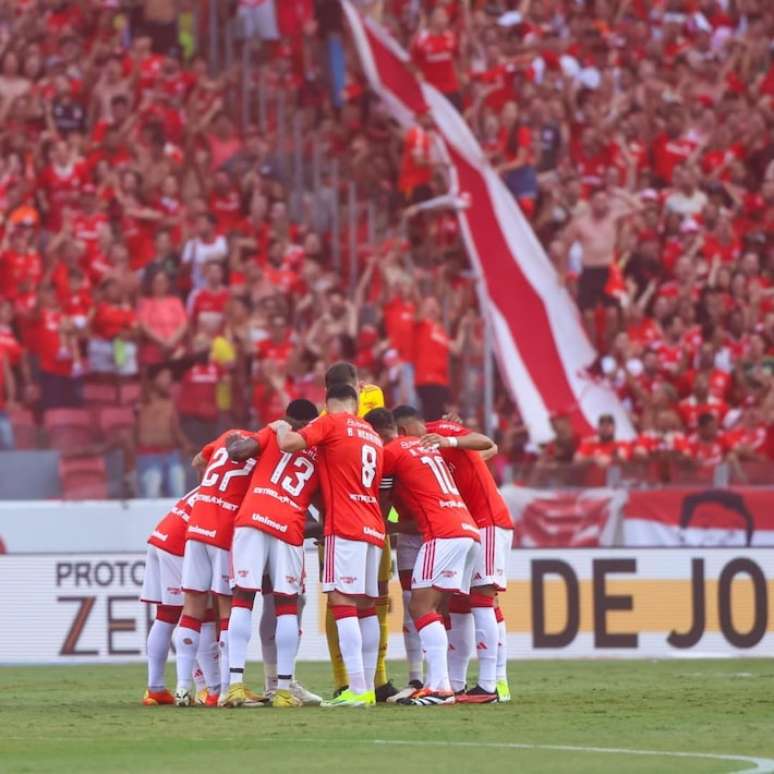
(202,206)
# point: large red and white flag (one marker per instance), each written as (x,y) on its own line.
(742,516)
(541,347)
(572,518)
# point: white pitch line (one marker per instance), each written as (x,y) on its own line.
(760,765)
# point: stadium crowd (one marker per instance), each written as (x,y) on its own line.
(150,232)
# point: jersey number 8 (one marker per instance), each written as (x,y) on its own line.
(369,460)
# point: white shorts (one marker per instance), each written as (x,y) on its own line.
(406,553)
(255,553)
(492,567)
(446,564)
(162,580)
(206,568)
(351,567)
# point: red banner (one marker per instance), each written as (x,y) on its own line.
(739,516)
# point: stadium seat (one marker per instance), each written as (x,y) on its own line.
(115,419)
(25,430)
(69,430)
(83,478)
(97,393)
(129,394)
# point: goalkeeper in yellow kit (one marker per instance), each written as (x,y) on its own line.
(371,397)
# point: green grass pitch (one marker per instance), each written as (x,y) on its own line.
(89,719)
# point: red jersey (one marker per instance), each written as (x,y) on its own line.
(220,494)
(169,533)
(603,452)
(209,307)
(425,491)
(434,56)
(399,319)
(350,463)
(690,410)
(280,491)
(431,353)
(707,453)
(474,481)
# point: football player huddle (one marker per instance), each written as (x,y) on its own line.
(357,477)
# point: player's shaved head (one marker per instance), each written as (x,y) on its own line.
(341,397)
(382,420)
(341,373)
(301,412)
(409,420)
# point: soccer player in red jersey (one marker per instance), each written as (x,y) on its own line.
(350,462)
(460,449)
(269,540)
(206,561)
(417,479)
(162,586)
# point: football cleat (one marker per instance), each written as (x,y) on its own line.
(385,692)
(306,697)
(212,700)
(503,691)
(253,699)
(184,697)
(154,698)
(201,697)
(407,692)
(285,698)
(348,698)
(429,698)
(477,695)
(235,697)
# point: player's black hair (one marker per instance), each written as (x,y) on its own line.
(301,409)
(380,419)
(342,392)
(340,373)
(405,412)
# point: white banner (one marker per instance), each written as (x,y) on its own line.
(35,526)
(641,603)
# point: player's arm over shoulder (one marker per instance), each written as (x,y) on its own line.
(446,434)
(243,446)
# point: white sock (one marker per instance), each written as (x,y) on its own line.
(207,656)
(351,645)
(369,633)
(267,629)
(223,658)
(462,641)
(159,639)
(239,630)
(411,642)
(186,645)
(287,644)
(435,643)
(486,646)
(502,651)
(198,678)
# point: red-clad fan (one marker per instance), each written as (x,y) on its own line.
(699,402)
(350,460)
(602,448)
(269,541)
(461,449)
(161,586)
(707,447)
(433,52)
(207,558)
(418,481)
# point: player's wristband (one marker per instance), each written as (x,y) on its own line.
(453,442)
